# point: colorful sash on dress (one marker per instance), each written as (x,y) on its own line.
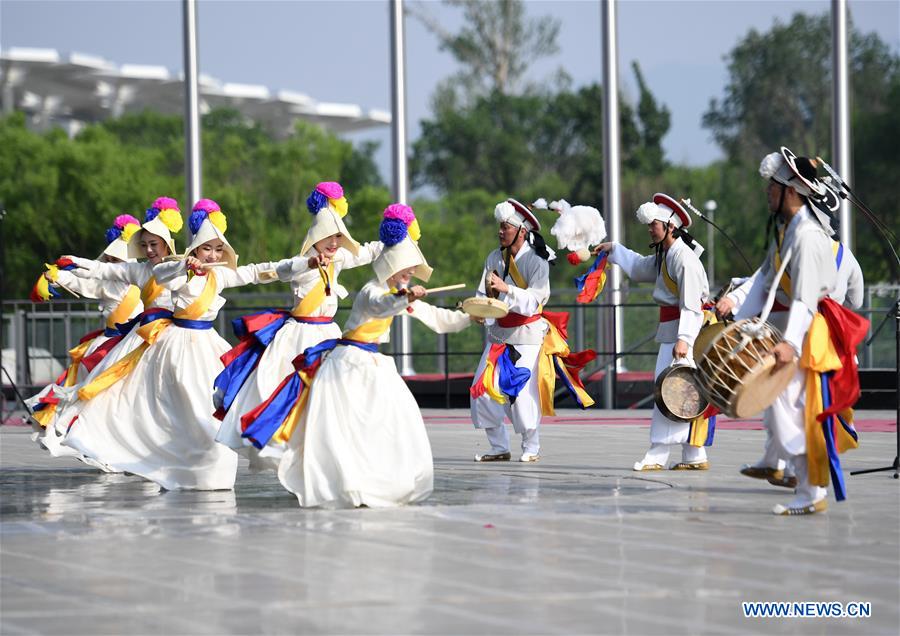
(47,405)
(256,332)
(277,417)
(832,387)
(591,283)
(153,323)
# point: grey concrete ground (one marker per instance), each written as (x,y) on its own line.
(575,544)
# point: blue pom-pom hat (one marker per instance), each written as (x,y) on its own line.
(400,252)
(325,222)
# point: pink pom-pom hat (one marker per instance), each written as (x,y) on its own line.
(124,219)
(206,205)
(331,189)
(401,212)
(166,203)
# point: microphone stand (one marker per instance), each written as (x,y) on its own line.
(894,312)
(844,191)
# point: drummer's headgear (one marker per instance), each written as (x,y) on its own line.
(801,174)
(667,210)
(518,215)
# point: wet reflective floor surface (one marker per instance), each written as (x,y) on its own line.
(575,544)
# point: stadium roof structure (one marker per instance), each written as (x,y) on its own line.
(76,89)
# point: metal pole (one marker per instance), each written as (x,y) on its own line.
(611,180)
(710,244)
(402,336)
(841,149)
(192,163)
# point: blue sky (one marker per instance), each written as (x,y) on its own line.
(338,51)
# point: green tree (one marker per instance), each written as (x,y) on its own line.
(496,44)
(536,144)
(61,193)
(779,93)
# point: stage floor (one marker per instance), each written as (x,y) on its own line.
(577,543)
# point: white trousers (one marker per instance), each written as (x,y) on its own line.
(525,413)
(785,422)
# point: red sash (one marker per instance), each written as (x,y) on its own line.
(777,306)
(668,313)
(516,320)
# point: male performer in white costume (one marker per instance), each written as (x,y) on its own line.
(802,234)
(848,292)
(680,291)
(518,274)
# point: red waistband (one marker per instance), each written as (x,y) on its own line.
(668,313)
(516,320)
(314,320)
(777,306)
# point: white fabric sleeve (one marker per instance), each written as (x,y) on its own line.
(133,273)
(368,252)
(382,305)
(739,294)
(754,298)
(638,268)
(438,319)
(799,319)
(87,287)
(692,281)
(287,269)
(855,282)
(253,274)
(171,274)
(528,301)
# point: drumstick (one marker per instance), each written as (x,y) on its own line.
(446,288)
(73,292)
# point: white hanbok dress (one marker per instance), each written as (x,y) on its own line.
(119,302)
(157,422)
(361,439)
(311,321)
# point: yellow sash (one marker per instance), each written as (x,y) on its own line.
(150,332)
(370,331)
(315,297)
(125,308)
(667,279)
(819,356)
(150,292)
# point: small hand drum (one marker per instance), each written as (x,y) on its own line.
(678,394)
(708,333)
(735,370)
(483,307)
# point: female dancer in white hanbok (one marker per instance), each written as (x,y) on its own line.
(119,302)
(270,340)
(355,434)
(154,241)
(157,422)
